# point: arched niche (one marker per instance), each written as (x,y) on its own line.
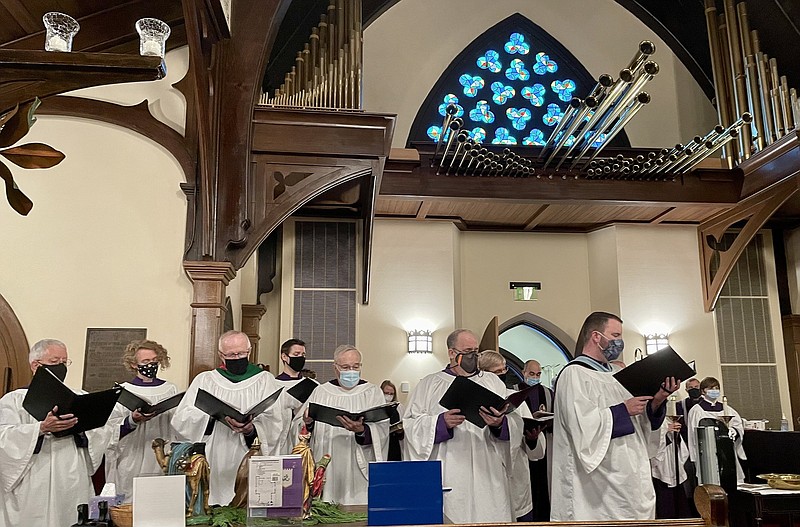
(14,348)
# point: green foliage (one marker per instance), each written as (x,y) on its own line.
(322,513)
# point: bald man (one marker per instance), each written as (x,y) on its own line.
(540,398)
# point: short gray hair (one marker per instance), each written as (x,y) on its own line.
(39,349)
(229,335)
(344,348)
(453,337)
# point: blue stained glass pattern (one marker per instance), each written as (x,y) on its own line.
(471,84)
(517,71)
(490,61)
(519,117)
(535,138)
(502,93)
(544,65)
(563,88)
(516,44)
(502,137)
(435,132)
(448,100)
(535,94)
(477,134)
(481,113)
(597,141)
(553,114)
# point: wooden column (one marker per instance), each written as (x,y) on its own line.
(209,280)
(791,346)
(251,316)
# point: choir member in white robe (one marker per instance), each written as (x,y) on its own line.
(710,406)
(671,500)
(130,454)
(293,357)
(603,437)
(44,478)
(354,444)
(241,385)
(473,458)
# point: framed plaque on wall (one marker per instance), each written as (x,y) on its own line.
(103,361)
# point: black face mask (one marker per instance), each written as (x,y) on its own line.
(503,377)
(297,363)
(148,370)
(237,366)
(59,370)
(694,393)
(468,362)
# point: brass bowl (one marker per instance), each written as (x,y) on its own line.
(782,481)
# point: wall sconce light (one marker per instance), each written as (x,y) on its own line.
(59,31)
(153,35)
(420,341)
(655,342)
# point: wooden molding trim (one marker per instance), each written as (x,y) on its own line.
(210,271)
(137,118)
(756,210)
(14,345)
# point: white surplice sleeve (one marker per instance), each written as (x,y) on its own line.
(17,440)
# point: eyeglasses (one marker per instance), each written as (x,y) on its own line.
(348,367)
(236,354)
(471,350)
(65,362)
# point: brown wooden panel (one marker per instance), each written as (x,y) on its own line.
(596,214)
(397,207)
(691,213)
(485,212)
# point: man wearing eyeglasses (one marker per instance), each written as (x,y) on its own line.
(241,385)
(472,457)
(355,443)
(43,478)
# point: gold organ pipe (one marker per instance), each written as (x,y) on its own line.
(788,121)
(718,69)
(751,71)
(738,77)
(775,94)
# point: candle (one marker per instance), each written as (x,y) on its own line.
(724,405)
(671,407)
(56,43)
(151,47)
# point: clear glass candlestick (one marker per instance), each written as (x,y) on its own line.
(59,31)
(153,34)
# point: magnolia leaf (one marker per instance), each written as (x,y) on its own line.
(19,124)
(33,155)
(16,198)
(8,115)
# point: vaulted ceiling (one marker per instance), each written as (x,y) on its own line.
(109,27)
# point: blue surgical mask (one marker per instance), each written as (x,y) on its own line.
(613,349)
(349,378)
(712,394)
(532,381)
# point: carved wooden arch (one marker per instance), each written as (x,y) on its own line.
(756,209)
(543,325)
(14,367)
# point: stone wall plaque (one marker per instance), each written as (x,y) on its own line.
(103,362)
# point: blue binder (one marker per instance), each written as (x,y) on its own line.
(405,493)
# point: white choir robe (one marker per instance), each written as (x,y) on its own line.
(132,455)
(347,475)
(473,461)
(225,448)
(662,464)
(44,489)
(291,417)
(697,413)
(596,477)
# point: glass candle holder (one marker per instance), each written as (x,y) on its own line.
(153,34)
(59,31)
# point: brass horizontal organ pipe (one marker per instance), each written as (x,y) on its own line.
(328,70)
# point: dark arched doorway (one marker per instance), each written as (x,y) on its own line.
(528,336)
(14,366)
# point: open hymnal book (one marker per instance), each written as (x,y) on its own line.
(468,396)
(645,377)
(132,401)
(302,390)
(328,415)
(47,391)
(220,409)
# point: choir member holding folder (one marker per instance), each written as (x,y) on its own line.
(242,386)
(45,469)
(145,407)
(297,388)
(462,429)
(347,421)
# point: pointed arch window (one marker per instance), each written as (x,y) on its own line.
(510,86)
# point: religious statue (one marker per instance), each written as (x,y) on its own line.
(188,459)
(314,475)
(240,487)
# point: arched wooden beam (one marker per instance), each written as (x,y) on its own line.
(15,346)
(137,118)
(756,210)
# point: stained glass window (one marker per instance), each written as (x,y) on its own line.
(511,86)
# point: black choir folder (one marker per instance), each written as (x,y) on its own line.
(328,415)
(47,391)
(302,390)
(132,401)
(220,409)
(646,376)
(469,396)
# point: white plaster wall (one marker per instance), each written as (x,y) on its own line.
(408,47)
(604,274)
(104,242)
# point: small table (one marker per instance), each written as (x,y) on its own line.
(759,504)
